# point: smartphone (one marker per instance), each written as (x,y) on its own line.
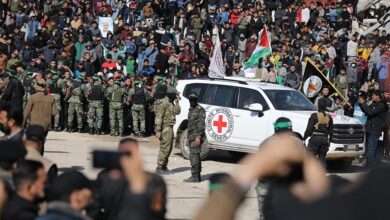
(107,159)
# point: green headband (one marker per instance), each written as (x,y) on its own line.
(215,186)
(160,78)
(95,78)
(281,125)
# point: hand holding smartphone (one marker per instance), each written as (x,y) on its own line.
(107,159)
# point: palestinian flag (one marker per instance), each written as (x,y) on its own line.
(314,80)
(263,49)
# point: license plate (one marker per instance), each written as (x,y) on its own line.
(350,147)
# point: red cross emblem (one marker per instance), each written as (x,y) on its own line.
(220,124)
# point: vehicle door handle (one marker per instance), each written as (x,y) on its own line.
(237,115)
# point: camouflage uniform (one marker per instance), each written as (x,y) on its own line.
(139,97)
(75,106)
(166,113)
(95,106)
(115,94)
(196,127)
(55,92)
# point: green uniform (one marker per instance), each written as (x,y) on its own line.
(55,92)
(95,95)
(115,94)
(75,107)
(196,127)
(166,113)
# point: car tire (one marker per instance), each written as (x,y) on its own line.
(340,164)
(237,155)
(185,149)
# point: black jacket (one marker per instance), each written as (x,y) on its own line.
(19,209)
(13,94)
(161,62)
(109,196)
(375,112)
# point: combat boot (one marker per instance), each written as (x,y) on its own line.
(57,129)
(68,129)
(162,171)
(91,131)
(195,178)
(98,131)
(80,130)
(123,134)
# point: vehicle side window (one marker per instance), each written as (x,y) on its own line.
(199,88)
(224,96)
(250,96)
(210,94)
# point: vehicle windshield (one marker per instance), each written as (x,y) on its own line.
(290,100)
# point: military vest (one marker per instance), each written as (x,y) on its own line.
(116,95)
(96,92)
(322,124)
(27,84)
(54,87)
(139,96)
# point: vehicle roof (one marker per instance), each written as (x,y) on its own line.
(239,81)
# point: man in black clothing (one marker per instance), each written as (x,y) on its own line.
(10,152)
(11,120)
(375,112)
(29,180)
(319,128)
(330,106)
(161,62)
(13,91)
(144,199)
(70,193)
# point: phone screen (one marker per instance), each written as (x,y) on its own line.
(106,159)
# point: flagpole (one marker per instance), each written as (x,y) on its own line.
(303,71)
(272,56)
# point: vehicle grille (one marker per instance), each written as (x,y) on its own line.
(347,134)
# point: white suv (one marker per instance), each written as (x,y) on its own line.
(240,114)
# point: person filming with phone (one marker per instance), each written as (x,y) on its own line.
(124,189)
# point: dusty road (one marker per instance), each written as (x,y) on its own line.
(73,152)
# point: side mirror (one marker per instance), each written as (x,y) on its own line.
(256,107)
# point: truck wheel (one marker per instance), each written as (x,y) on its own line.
(340,164)
(185,149)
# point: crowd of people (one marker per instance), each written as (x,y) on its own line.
(101,73)
(111,67)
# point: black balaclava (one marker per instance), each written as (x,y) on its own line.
(161,91)
(193,102)
(322,105)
